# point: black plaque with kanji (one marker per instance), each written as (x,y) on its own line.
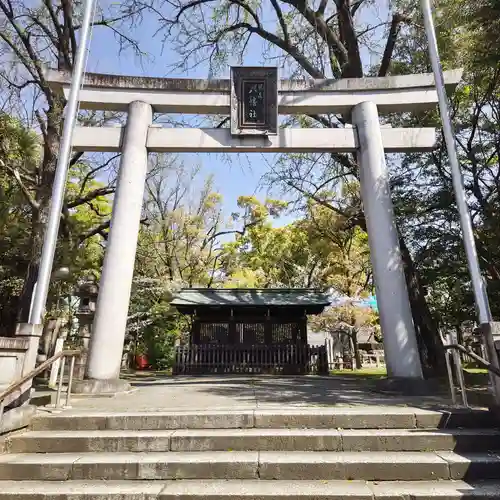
(254,101)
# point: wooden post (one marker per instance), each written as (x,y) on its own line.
(268,329)
(233,333)
(195,332)
(303,329)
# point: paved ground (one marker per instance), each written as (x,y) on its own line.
(163,393)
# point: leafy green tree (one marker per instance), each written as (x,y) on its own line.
(183,223)
(314,251)
(19,150)
(261,256)
(341,251)
(475,26)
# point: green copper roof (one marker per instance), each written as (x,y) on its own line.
(250,297)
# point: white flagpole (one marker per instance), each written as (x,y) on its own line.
(480,295)
(49,244)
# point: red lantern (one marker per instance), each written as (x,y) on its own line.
(141,361)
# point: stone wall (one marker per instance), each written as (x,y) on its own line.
(12,358)
(18,358)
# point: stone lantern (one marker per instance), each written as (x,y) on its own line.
(55,327)
(87,292)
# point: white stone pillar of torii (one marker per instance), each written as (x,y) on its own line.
(400,348)
(362,99)
(110,321)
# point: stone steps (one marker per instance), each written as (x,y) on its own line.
(313,453)
(369,466)
(249,490)
(252,439)
(362,417)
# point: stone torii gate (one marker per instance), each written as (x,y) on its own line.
(359,100)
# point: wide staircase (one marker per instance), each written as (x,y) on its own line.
(289,453)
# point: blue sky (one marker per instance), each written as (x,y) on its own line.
(238,175)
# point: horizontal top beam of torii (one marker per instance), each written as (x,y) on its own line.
(297,140)
(393,94)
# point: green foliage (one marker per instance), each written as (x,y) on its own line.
(153,325)
(181,238)
(81,252)
(20,156)
(19,150)
(19,146)
(341,251)
(423,190)
(314,251)
(473,28)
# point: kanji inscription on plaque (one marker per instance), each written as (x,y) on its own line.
(254,101)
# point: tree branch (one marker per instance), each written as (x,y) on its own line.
(94,171)
(394,30)
(37,71)
(356,7)
(97,230)
(190,5)
(45,30)
(322,7)
(67,46)
(272,38)
(317,21)
(223,122)
(92,195)
(353,66)
(17,86)
(75,159)
(281,19)
(234,231)
(15,173)
(53,17)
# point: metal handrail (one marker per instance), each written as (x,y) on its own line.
(453,350)
(475,357)
(69,353)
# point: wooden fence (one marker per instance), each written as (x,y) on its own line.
(255,359)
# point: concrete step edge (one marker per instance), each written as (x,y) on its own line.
(252,431)
(248,489)
(192,440)
(291,456)
(343,417)
(252,465)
